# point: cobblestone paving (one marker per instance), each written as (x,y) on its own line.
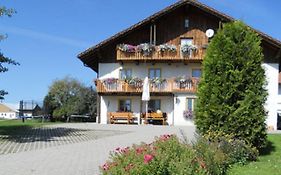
(45,137)
(83,157)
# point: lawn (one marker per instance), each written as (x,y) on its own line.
(269,163)
(11,127)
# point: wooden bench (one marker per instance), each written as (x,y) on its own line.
(155,117)
(121,117)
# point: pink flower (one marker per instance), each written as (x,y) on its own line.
(130,166)
(165,137)
(117,150)
(139,150)
(148,158)
(105,167)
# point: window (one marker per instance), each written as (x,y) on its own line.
(154,73)
(154,105)
(196,73)
(125,73)
(125,105)
(190,103)
(186,41)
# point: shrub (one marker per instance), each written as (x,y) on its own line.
(165,156)
(231,93)
(212,154)
(238,150)
(216,161)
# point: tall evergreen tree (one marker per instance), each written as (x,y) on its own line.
(232,94)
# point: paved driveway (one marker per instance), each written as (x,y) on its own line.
(74,149)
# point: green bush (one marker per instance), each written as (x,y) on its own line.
(216,161)
(237,150)
(165,156)
(209,155)
(231,93)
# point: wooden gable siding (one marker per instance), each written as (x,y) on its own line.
(170,29)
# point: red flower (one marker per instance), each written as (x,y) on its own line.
(139,150)
(148,158)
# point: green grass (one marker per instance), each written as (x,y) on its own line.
(267,164)
(13,127)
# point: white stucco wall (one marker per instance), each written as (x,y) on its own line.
(112,70)
(169,104)
(110,104)
(272,72)
(180,101)
(279,98)
(8,115)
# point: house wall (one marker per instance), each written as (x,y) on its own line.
(180,102)
(272,72)
(279,98)
(8,115)
(112,70)
(110,104)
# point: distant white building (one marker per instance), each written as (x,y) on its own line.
(7,112)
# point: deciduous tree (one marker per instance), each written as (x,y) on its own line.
(3,59)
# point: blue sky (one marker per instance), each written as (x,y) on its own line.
(45,36)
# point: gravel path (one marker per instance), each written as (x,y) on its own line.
(74,149)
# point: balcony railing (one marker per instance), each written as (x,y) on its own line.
(167,86)
(162,55)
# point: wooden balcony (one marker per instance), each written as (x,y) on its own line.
(169,86)
(195,56)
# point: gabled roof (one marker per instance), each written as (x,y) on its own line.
(222,16)
(6,108)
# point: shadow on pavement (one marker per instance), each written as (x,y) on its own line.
(25,134)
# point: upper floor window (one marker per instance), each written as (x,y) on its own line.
(154,73)
(196,73)
(125,105)
(125,73)
(186,41)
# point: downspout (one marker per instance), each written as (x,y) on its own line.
(173,117)
(154,40)
(151,34)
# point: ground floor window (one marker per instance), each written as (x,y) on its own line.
(190,103)
(125,105)
(154,105)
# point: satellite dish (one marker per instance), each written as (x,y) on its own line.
(210,33)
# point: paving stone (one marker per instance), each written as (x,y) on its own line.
(75,148)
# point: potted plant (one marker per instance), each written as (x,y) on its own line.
(110,83)
(126,48)
(167,48)
(188,114)
(188,49)
(146,49)
(158,82)
(183,82)
(135,82)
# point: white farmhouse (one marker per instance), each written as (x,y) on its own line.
(7,112)
(168,48)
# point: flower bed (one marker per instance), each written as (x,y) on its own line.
(168,155)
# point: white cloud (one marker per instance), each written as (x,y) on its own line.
(43,36)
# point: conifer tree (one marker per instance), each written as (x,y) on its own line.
(232,94)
